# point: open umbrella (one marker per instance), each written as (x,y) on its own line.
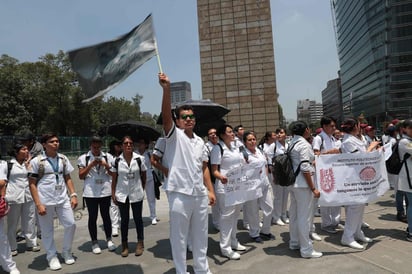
(202,128)
(205,111)
(135,129)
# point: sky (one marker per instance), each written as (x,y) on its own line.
(304,41)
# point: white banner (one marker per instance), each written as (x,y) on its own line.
(244,183)
(351,178)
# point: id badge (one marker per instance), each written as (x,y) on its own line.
(58,187)
(130,175)
(98,181)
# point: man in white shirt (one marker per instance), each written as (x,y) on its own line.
(188,184)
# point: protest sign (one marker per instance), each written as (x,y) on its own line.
(351,178)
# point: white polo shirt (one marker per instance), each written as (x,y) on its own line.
(129,183)
(18,191)
(160,146)
(52,186)
(302,151)
(98,182)
(230,158)
(184,158)
(3,170)
(324,142)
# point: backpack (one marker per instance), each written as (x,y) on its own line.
(138,160)
(282,171)
(394,162)
(41,170)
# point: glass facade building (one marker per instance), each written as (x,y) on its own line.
(374,41)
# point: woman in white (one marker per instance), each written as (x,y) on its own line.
(21,203)
(257,161)
(224,156)
(128,184)
(281,193)
(303,192)
(351,143)
(405,147)
(6,260)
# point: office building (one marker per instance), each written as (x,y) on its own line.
(180,91)
(375,54)
(332,100)
(237,61)
(309,111)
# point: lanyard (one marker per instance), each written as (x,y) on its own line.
(55,168)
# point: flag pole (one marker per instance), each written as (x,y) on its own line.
(158,60)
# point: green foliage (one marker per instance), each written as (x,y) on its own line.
(44,96)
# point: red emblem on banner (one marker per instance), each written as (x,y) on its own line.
(367,174)
(327,180)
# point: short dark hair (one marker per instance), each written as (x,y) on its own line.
(236,129)
(349,124)
(326,120)
(182,108)
(16,148)
(47,136)
(96,139)
(298,128)
(222,129)
(248,133)
(407,123)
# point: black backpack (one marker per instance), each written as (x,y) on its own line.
(283,173)
(394,162)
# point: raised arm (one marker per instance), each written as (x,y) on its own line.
(166,103)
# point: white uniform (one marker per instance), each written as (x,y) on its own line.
(354,213)
(188,200)
(215,207)
(228,214)
(265,202)
(405,146)
(21,206)
(330,215)
(150,187)
(280,193)
(301,198)
(114,213)
(6,260)
(53,195)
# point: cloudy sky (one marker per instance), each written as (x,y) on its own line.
(304,41)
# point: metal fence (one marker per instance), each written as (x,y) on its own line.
(70,146)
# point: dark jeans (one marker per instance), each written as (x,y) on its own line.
(400,195)
(124,209)
(93,205)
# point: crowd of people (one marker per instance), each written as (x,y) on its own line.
(197,175)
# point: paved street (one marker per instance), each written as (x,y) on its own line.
(389,253)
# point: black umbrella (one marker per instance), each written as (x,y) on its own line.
(136,130)
(202,128)
(205,111)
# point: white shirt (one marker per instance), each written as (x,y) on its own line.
(160,146)
(405,146)
(184,158)
(352,144)
(18,191)
(149,174)
(98,182)
(259,158)
(302,151)
(324,142)
(52,186)
(129,183)
(231,157)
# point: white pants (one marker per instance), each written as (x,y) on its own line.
(114,216)
(151,198)
(353,223)
(64,213)
(280,201)
(188,216)
(301,219)
(25,212)
(228,224)
(330,215)
(251,209)
(6,260)
(216,212)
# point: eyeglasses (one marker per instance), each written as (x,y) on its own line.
(128,143)
(190,116)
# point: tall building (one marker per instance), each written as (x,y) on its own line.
(237,61)
(375,54)
(332,100)
(309,111)
(179,92)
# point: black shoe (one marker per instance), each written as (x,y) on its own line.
(409,237)
(257,239)
(402,217)
(268,236)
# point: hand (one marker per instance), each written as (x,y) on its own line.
(223,179)
(166,172)
(212,198)
(316,193)
(41,209)
(73,202)
(114,200)
(164,80)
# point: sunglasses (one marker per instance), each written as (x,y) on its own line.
(190,116)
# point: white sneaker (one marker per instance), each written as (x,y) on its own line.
(68,257)
(239,247)
(111,246)
(365,239)
(154,221)
(279,222)
(115,232)
(354,244)
(14,271)
(315,236)
(54,263)
(232,255)
(285,220)
(34,248)
(365,225)
(96,249)
(314,254)
(14,253)
(246,226)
